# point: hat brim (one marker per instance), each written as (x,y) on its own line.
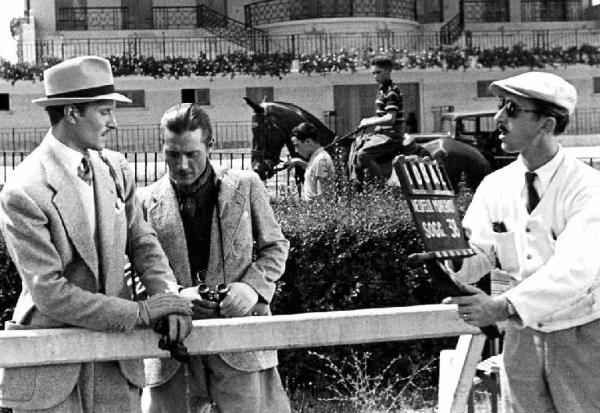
(45,102)
(497,89)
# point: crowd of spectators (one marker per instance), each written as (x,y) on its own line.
(345,60)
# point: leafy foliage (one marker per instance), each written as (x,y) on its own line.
(349,251)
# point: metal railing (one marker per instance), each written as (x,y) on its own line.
(557,10)
(140,138)
(272,11)
(451,31)
(482,11)
(92,18)
(297,44)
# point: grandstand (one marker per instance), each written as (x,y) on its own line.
(215,52)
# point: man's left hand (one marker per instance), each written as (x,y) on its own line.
(479,309)
(239,301)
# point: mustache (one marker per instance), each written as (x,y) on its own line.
(502,129)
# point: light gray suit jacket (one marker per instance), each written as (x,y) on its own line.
(63,268)
(246,217)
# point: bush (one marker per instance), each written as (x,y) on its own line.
(349,251)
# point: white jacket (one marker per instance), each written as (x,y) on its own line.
(552,254)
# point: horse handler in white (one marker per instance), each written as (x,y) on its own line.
(540,218)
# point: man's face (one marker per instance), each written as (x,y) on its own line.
(380,74)
(94,124)
(304,148)
(520,126)
(186,155)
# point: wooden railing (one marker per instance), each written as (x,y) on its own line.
(21,348)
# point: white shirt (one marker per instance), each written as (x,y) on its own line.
(551,254)
(319,166)
(71,159)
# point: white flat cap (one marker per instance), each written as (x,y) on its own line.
(539,85)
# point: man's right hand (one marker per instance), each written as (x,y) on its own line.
(161,305)
(202,308)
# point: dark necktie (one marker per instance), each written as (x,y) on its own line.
(84,170)
(532,195)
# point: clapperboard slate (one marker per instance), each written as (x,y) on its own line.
(431,200)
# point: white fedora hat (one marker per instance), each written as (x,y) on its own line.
(79,80)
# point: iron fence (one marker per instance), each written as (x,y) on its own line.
(557,10)
(480,11)
(150,166)
(132,138)
(307,43)
(92,18)
(271,11)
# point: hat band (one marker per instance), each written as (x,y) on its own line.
(85,93)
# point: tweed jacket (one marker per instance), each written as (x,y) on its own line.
(246,217)
(70,279)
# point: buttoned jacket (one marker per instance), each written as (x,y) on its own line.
(551,253)
(70,278)
(247,221)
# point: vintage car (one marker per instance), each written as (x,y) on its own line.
(477,128)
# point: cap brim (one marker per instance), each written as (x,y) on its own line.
(45,102)
(498,88)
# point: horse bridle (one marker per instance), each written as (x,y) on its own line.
(262,156)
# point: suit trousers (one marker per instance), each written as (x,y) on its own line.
(557,372)
(210,382)
(101,388)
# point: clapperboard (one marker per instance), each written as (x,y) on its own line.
(431,200)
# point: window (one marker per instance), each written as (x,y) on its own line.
(257,94)
(198,96)
(483,89)
(137,96)
(4,101)
(597,85)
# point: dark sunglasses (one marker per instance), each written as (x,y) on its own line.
(512,108)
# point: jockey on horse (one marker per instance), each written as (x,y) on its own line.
(388,139)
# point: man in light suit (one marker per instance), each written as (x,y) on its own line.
(536,222)
(216,227)
(69,216)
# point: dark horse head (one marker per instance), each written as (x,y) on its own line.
(272,124)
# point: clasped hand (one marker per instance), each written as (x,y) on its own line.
(237,303)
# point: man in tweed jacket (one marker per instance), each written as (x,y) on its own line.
(216,226)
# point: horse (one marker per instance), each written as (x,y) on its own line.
(272,123)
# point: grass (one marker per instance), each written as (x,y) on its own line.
(348,387)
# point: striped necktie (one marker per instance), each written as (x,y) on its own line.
(84,170)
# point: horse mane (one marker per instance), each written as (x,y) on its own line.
(326,134)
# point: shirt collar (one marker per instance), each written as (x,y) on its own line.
(315,153)
(69,157)
(546,171)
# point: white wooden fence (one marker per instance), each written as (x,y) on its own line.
(22,348)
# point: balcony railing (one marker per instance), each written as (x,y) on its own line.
(481,11)
(271,11)
(92,18)
(557,10)
(174,17)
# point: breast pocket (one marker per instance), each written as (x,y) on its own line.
(505,244)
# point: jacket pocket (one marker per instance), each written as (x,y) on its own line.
(36,388)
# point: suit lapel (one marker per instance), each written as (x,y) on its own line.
(230,206)
(70,207)
(106,204)
(163,212)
